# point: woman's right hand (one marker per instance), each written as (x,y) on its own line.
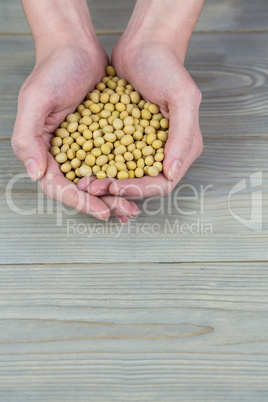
(58,83)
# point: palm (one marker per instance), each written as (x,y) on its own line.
(155,71)
(53,90)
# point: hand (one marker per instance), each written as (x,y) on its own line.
(59,82)
(150,56)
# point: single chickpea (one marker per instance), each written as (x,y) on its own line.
(64,148)
(120,166)
(120,150)
(137,154)
(158,165)
(90,160)
(80,140)
(101,160)
(75,146)
(131,165)
(101,175)
(128,156)
(153,171)
(87,146)
(71,154)
(159,157)
(85,170)
(118,124)
(114,98)
(96,169)
(70,175)
(123,174)
(164,123)
(139,172)
(149,160)
(104,98)
(127,139)
(110,137)
(76,163)
(125,99)
(140,163)
(96,152)
(87,134)
(105,149)
(111,171)
(57,142)
(54,150)
(162,136)
(157,144)
(62,132)
(72,118)
(129,129)
(147,150)
(81,154)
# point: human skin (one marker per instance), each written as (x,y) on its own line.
(150,55)
(69,63)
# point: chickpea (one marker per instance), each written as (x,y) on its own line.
(112,133)
(85,170)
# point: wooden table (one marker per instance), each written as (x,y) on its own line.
(174,305)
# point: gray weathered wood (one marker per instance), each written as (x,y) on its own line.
(134,332)
(177,229)
(232,80)
(113,15)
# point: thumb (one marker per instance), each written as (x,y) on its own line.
(183,122)
(27,141)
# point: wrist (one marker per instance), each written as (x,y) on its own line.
(58,23)
(170,23)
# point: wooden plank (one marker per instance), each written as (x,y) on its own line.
(217,15)
(197,217)
(232,80)
(134,332)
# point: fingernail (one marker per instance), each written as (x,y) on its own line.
(119,189)
(121,220)
(96,193)
(99,216)
(174,170)
(32,169)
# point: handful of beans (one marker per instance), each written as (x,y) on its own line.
(113,133)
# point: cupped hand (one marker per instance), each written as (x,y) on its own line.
(58,83)
(155,70)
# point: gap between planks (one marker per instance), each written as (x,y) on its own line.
(198,32)
(189,263)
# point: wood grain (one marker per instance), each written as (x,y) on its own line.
(168,229)
(233,82)
(134,332)
(113,16)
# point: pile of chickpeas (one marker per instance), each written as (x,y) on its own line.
(113,133)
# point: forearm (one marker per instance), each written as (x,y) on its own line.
(170,21)
(56,22)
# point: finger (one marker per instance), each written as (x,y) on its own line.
(95,187)
(27,139)
(183,123)
(84,182)
(146,186)
(120,207)
(57,187)
(123,219)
